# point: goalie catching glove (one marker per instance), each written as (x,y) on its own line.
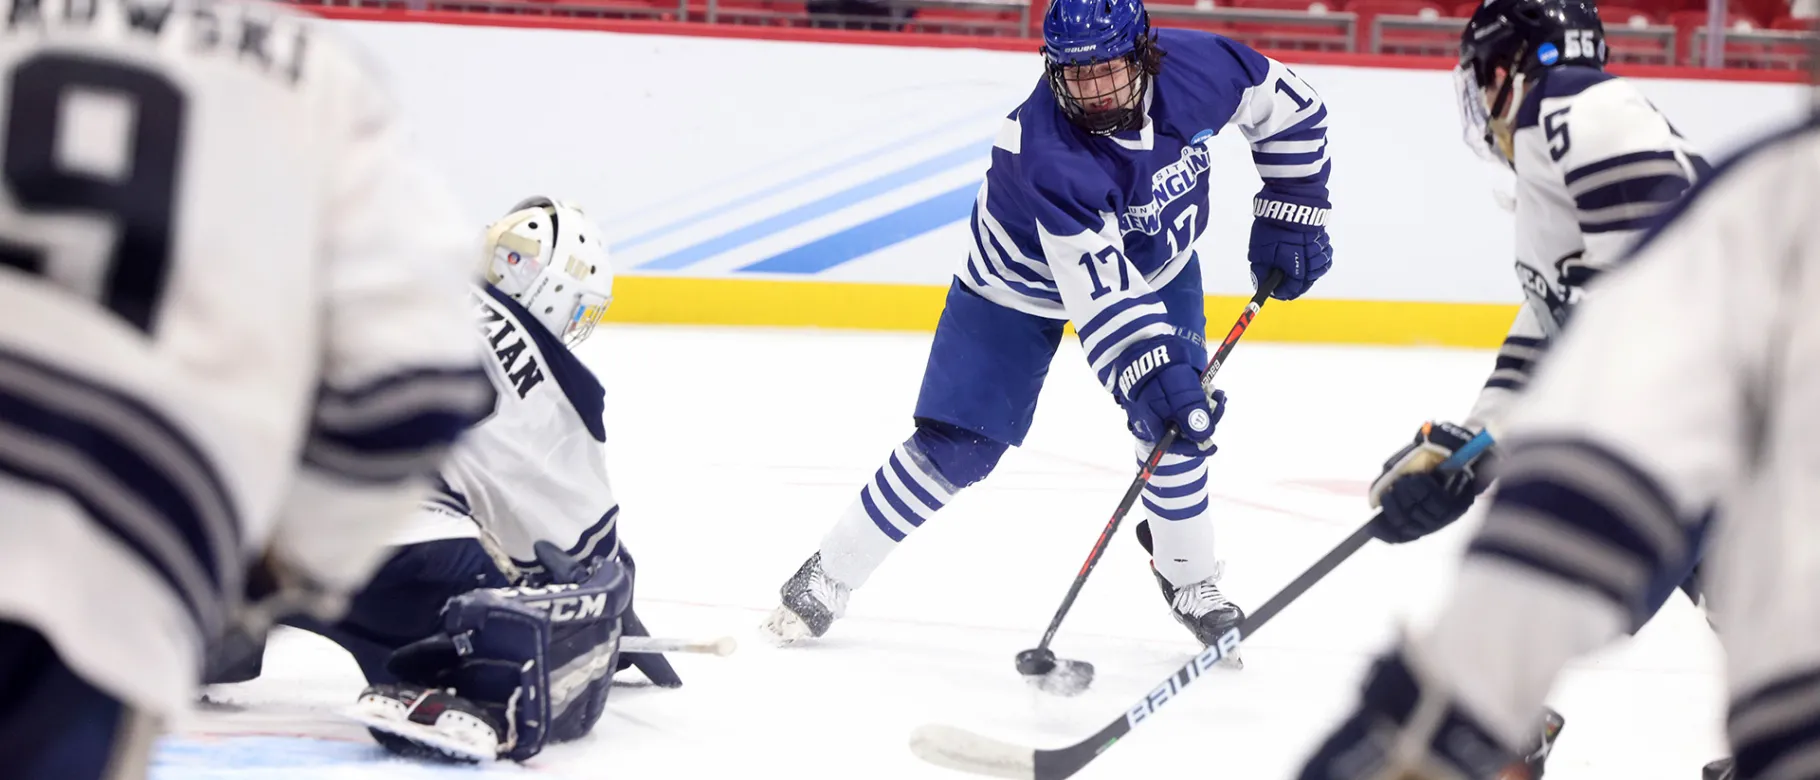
(1416,499)
(513,669)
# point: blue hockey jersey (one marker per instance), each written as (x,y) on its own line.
(1086,228)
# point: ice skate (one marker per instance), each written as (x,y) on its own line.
(812,601)
(418,722)
(1204,611)
(1531,765)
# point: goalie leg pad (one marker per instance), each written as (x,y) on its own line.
(539,660)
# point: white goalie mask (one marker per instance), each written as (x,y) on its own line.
(550,258)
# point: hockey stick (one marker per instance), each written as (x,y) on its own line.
(967,751)
(1067,677)
(723,646)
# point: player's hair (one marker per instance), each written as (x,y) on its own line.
(1147,54)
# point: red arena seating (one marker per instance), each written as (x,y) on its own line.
(1760,36)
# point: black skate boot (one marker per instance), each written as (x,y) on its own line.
(1204,611)
(1530,766)
(812,601)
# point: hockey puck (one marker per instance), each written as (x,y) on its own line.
(1035,662)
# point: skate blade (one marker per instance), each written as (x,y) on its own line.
(423,736)
(783,628)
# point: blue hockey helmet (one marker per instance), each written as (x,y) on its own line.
(1505,46)
(1100,56)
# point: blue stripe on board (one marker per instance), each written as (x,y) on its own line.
(820,207)
(796,161)
(870,236)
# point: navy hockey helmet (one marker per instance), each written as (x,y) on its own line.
(1506,45)
(1100,56)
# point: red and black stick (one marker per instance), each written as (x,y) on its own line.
(1067,677)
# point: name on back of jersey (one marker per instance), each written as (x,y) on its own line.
(508,342)
(273,45)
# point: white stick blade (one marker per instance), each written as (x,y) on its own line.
(969,752)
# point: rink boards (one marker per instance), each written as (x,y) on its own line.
(758,182)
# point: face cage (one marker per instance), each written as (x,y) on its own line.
(1475,116)
(1106,122)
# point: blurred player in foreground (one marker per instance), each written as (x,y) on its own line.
(476,643)
(1683,392)
(1089,214)
(230,354)
(1594,164)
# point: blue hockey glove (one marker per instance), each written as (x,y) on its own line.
(1416,499)
(1291,237)
(1157,385)
(1403,708)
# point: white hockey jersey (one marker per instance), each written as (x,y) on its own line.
(535,470)
(1686,384)
(229,324)
(1595,162)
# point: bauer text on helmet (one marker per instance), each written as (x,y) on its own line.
(1100,56)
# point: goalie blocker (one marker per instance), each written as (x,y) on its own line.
(512,670)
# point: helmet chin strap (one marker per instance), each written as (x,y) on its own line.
(1503,112)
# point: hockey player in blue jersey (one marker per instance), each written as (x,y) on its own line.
(1098,188)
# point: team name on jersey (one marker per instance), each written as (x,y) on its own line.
(509,347)
(263,44)
(1168,183)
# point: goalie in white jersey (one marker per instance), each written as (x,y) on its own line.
(534,472)
(1684,390)
(230,353)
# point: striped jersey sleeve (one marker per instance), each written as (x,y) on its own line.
(1285,121)
(399,372)
(1516,359)
(1621,162)
(1111,304)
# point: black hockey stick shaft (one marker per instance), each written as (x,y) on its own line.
(1062,763)
(1270,283)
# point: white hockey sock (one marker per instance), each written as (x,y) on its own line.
(902,494)
(1180,530)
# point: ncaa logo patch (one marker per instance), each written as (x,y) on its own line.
(1547,54)
(1198,420)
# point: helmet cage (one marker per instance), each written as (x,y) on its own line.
(1127,113)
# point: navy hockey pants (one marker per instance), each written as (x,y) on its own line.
(403,602)
(400,605)
(988,363)
(55,726)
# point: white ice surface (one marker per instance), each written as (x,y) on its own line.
(733,450)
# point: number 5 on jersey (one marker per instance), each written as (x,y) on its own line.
(1108,256)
